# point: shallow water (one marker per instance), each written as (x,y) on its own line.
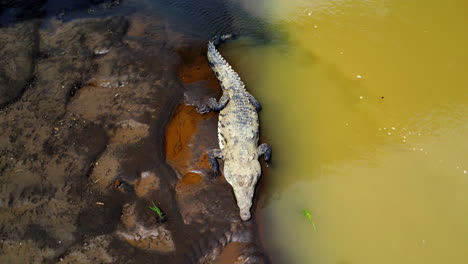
(366,107)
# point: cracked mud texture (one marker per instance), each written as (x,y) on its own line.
(84,109)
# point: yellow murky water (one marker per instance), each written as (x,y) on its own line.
(366,107)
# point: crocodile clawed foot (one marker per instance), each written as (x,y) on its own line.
(265,151)
(213,155)
(203,109)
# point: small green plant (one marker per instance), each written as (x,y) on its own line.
(308,215)
(158,211)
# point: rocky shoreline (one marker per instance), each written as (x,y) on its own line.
(97,122)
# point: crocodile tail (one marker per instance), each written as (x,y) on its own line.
(219,39)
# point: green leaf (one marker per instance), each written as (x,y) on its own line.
(308,215)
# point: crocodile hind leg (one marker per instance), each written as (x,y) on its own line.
(213,105)
(213,156)
(265,150)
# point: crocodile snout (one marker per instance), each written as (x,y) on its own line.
(244,202)
(245,216)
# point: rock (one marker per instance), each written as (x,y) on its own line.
(94,250)
(147,183)
(83,154)
(206,204)
(23,252)
(106,169)
(18,49)
(62,133)
(188,137)
(242,253)
(153,238)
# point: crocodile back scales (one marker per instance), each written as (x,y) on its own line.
(238,125)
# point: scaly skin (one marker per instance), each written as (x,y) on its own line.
(238,131)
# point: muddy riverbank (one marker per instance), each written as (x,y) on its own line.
(97,122)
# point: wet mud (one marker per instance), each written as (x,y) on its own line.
(97,123)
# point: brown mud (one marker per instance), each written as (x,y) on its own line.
(97,122)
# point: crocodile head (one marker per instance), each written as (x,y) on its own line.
(243,177)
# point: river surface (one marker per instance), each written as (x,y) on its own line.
(366,106)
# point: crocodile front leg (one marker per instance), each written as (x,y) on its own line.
(265,150)
(213,155)
(213,105)
(255,103)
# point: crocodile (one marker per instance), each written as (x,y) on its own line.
(243,236)
(238,131)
